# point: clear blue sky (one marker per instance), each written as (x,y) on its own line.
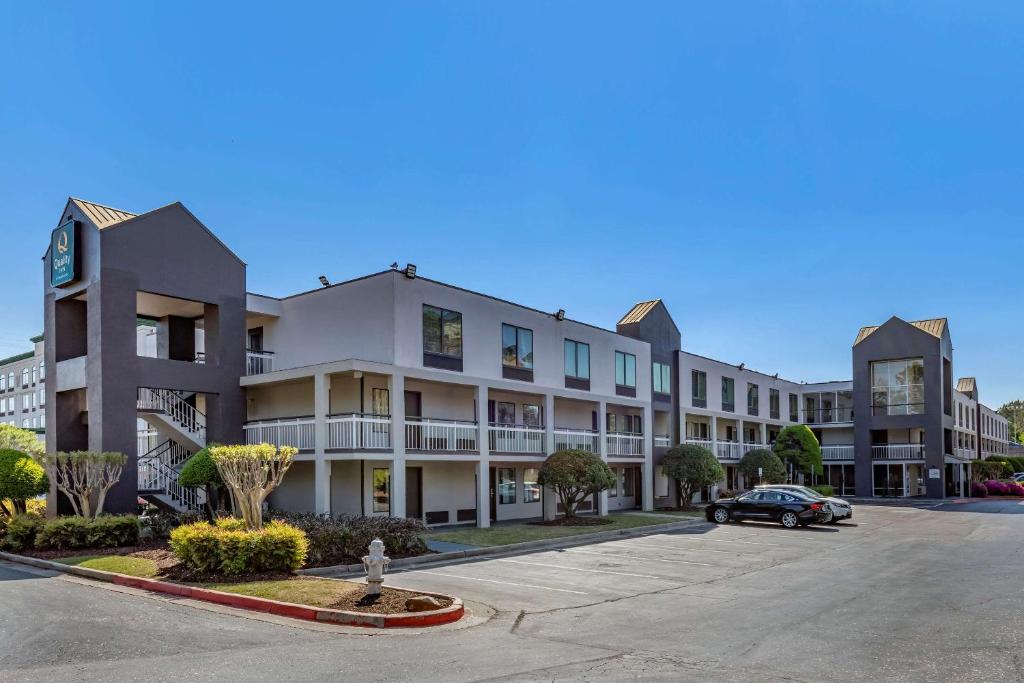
(780,173)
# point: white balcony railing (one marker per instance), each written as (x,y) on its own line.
(750,446)
(729,450)
(626,445)
(965,453)
(577,439)
(298,432)
(703,443)
(844,452)
(516,439)
(427,434)
(356,432)
(662,440)
(258,362)
(147,440)
(898,451)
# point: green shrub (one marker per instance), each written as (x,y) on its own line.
(772,469)
(21,478)
(63,533)
(113,531)
(346,538)
(160,524)
(796,444)
(824,489)
(228,548)
(18,439)
(20,533)
(691,467)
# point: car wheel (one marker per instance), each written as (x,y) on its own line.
(720,515)
(789,520)
(830,518)
(834,520)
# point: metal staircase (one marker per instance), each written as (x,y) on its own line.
(171,410)
(158,478)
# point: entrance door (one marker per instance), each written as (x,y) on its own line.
(493,494)
(414,492)
(414,409)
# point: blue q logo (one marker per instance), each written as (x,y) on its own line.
(63,256)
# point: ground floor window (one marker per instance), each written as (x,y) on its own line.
(628,481)
(381,489)
(613,492)
(898,480)
(840,478)
(506,485)
(531,488)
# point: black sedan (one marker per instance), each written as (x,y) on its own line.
(787,508)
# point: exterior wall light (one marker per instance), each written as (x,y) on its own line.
(324,281)
(410,271)
(560,315)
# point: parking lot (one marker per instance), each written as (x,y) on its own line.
(584,575)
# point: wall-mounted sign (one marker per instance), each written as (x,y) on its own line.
(65,259)
(934,473)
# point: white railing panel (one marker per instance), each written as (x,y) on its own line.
(902,451)
(578,440)
(355,432)
(146,441)
(843,452)
(258,362)
(729,450)
(516,439)
(662,440)
(625,445)
(703,443)
(427,434)
(296,432)
(180,411)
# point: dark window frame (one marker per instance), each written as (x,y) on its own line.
(441,359)
(576,359)
(729,407)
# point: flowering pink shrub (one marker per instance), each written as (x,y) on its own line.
(995,488)
(978,490)
(1014,489)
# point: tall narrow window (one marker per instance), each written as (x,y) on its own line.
(531,415)
(753,399)
(661,376)
(773,403)
(699,388)
(506,485)
(577,359)
(381,399)
(381,489)
(442,338)
(625,369)
(506,413)
(728,394)
(531,485)
(516,347)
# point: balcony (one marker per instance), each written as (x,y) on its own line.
(662,441)
(296,431)
(441,436)
(577,439)
(964,453)
(523,439)
(833,453)
(898,451)
(357,431)
(258,362)
(729,450)
(828,416)
(623,445)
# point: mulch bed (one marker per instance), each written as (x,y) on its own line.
(150,550)
(576,521)
(390,601)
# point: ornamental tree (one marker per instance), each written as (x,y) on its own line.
(574,475)
(691,467)
(200,471)
(797,446)
(772,471)
(21,478)
(17,439)
(84,477)
(251,472)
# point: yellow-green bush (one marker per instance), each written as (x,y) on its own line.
(228,548)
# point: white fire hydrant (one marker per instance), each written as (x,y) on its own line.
(376,562)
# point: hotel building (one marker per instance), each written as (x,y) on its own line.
(411,397)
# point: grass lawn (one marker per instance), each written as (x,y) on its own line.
(302,591)
(122,564)
(504,534)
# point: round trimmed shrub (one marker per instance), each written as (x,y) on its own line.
(20,533)
(227,547)
(772,469)
(691,467)
(574,475)
(978,490)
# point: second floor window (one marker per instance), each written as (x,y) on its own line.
(661,375)
(794,408)
(625,369)
(577,359)
(699,384)
(897,387)
(516,347)
(773,403)
(442,332)
(24,377)
(3,382)
(753,399)
(728,394)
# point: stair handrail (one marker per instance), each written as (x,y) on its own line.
(174,406)
(162,477)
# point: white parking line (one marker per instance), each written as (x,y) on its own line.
(580,569)
(717,540)
(686,550)
(506,583)
(628,557)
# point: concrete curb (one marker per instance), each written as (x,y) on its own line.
(497,550)
(447,615)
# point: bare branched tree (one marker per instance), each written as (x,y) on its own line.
(85,477)
(251,472)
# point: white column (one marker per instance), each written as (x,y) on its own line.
(602,431)
(549,424)
(321,408)
(483,465)
(396,396)
(764,434)
(648,468)
(681,436)
(714,435)
(322,483)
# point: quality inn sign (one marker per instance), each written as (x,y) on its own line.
(65,260)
